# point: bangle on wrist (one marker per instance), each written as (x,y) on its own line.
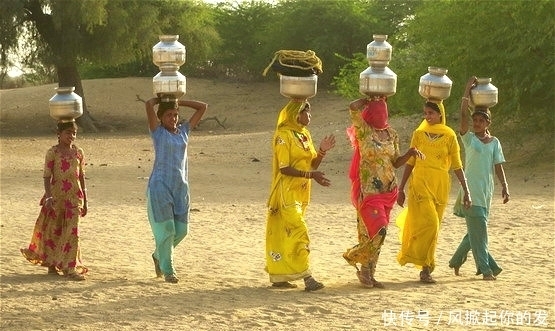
(321,152)
(465,98)
(49,198)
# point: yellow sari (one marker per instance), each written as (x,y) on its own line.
(287,241)
(428,192)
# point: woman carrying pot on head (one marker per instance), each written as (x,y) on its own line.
(483,158)
(374,183)
(295,163)
(428,191)
(55,240)
(168,186)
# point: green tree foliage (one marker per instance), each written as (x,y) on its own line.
(243,28)
(102,32)
(252,31)
(334,29)
(509,41)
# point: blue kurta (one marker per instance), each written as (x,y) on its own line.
(168,184)
(480,160)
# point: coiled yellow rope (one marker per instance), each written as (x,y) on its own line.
(297,59)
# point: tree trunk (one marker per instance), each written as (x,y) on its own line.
(69,76)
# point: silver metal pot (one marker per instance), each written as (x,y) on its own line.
(378,81)
(484,94)
(298,87)
(65,104)
(435,85)
(378,52)
(169,82)
(168,51)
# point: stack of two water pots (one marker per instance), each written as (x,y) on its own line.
(378,80)
(169,54)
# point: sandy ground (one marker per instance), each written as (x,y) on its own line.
(223,285)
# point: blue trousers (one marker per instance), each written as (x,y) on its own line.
(476,239)
(167,235)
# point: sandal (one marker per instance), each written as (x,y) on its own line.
(311,285)
(284,285)
(157,266)
(425,277)
(53,271)
(364,279)
(76,276)
(171,278)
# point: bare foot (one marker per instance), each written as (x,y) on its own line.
(457,273)
(376,284)
(489,277)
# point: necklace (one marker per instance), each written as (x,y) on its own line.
(433,136)
(302,139)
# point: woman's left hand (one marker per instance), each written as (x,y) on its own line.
(413,151)
(466,200)
(505,194)
(320,178)
(84,209)
(327,143)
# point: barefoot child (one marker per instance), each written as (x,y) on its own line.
(484,157)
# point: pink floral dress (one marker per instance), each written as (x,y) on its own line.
(55,239)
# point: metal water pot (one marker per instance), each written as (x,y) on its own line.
(298,87)
(484,94)
(65,104)
(435,85)
(378,81)
(169,82)
(378,52)
(168,51)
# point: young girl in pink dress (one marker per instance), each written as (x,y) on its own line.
(55,240)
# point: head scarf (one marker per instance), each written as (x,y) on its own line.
(375,114)
(287,120)
(288,116)
(439,128)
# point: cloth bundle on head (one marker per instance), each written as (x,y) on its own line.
(295,63)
